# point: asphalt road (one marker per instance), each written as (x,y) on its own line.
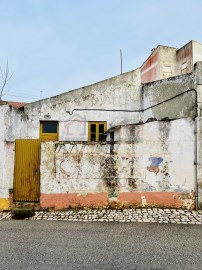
(26,244)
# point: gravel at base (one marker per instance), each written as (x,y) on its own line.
(127,215)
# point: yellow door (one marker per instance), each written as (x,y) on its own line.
(27,170)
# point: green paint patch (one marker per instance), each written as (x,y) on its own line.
(113,194)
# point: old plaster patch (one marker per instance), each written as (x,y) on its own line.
(144,201)
(154,166)
(187,201)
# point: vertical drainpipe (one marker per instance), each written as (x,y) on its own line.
(196,161)
(196,148)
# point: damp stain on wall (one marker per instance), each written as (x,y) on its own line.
(110,174)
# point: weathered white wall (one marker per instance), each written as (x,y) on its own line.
(172,92)
(184,57)
(106,99)
(197,52)
(174,143)
(89,168)
(2,150)
(88,163)
(199,146)
(72,167)
(167,62)
(8,170)
(13,126)
(198,72)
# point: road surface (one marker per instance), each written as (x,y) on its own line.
(58,245)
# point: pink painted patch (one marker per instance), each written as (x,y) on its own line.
(150,76)
(62,201)
(158,199)
(132,199)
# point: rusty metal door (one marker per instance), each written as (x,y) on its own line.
(27,170)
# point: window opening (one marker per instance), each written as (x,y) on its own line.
(96,131)
(48,131)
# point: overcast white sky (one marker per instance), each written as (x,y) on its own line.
(55,46)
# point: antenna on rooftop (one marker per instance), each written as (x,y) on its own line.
(121,60)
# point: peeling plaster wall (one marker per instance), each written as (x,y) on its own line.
(159,65)
(167,62)
(2,149)
(16,124)
(150,69)
(123,92)
(104,101)
(119,93)
(179,103)
(143,172)
(93,176)
(13,126)
(198,72)
(184,57)
(197,52)
(199,147)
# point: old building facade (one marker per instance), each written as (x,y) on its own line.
(120,142)
(165,62)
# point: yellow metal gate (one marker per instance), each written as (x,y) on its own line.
(27,170)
